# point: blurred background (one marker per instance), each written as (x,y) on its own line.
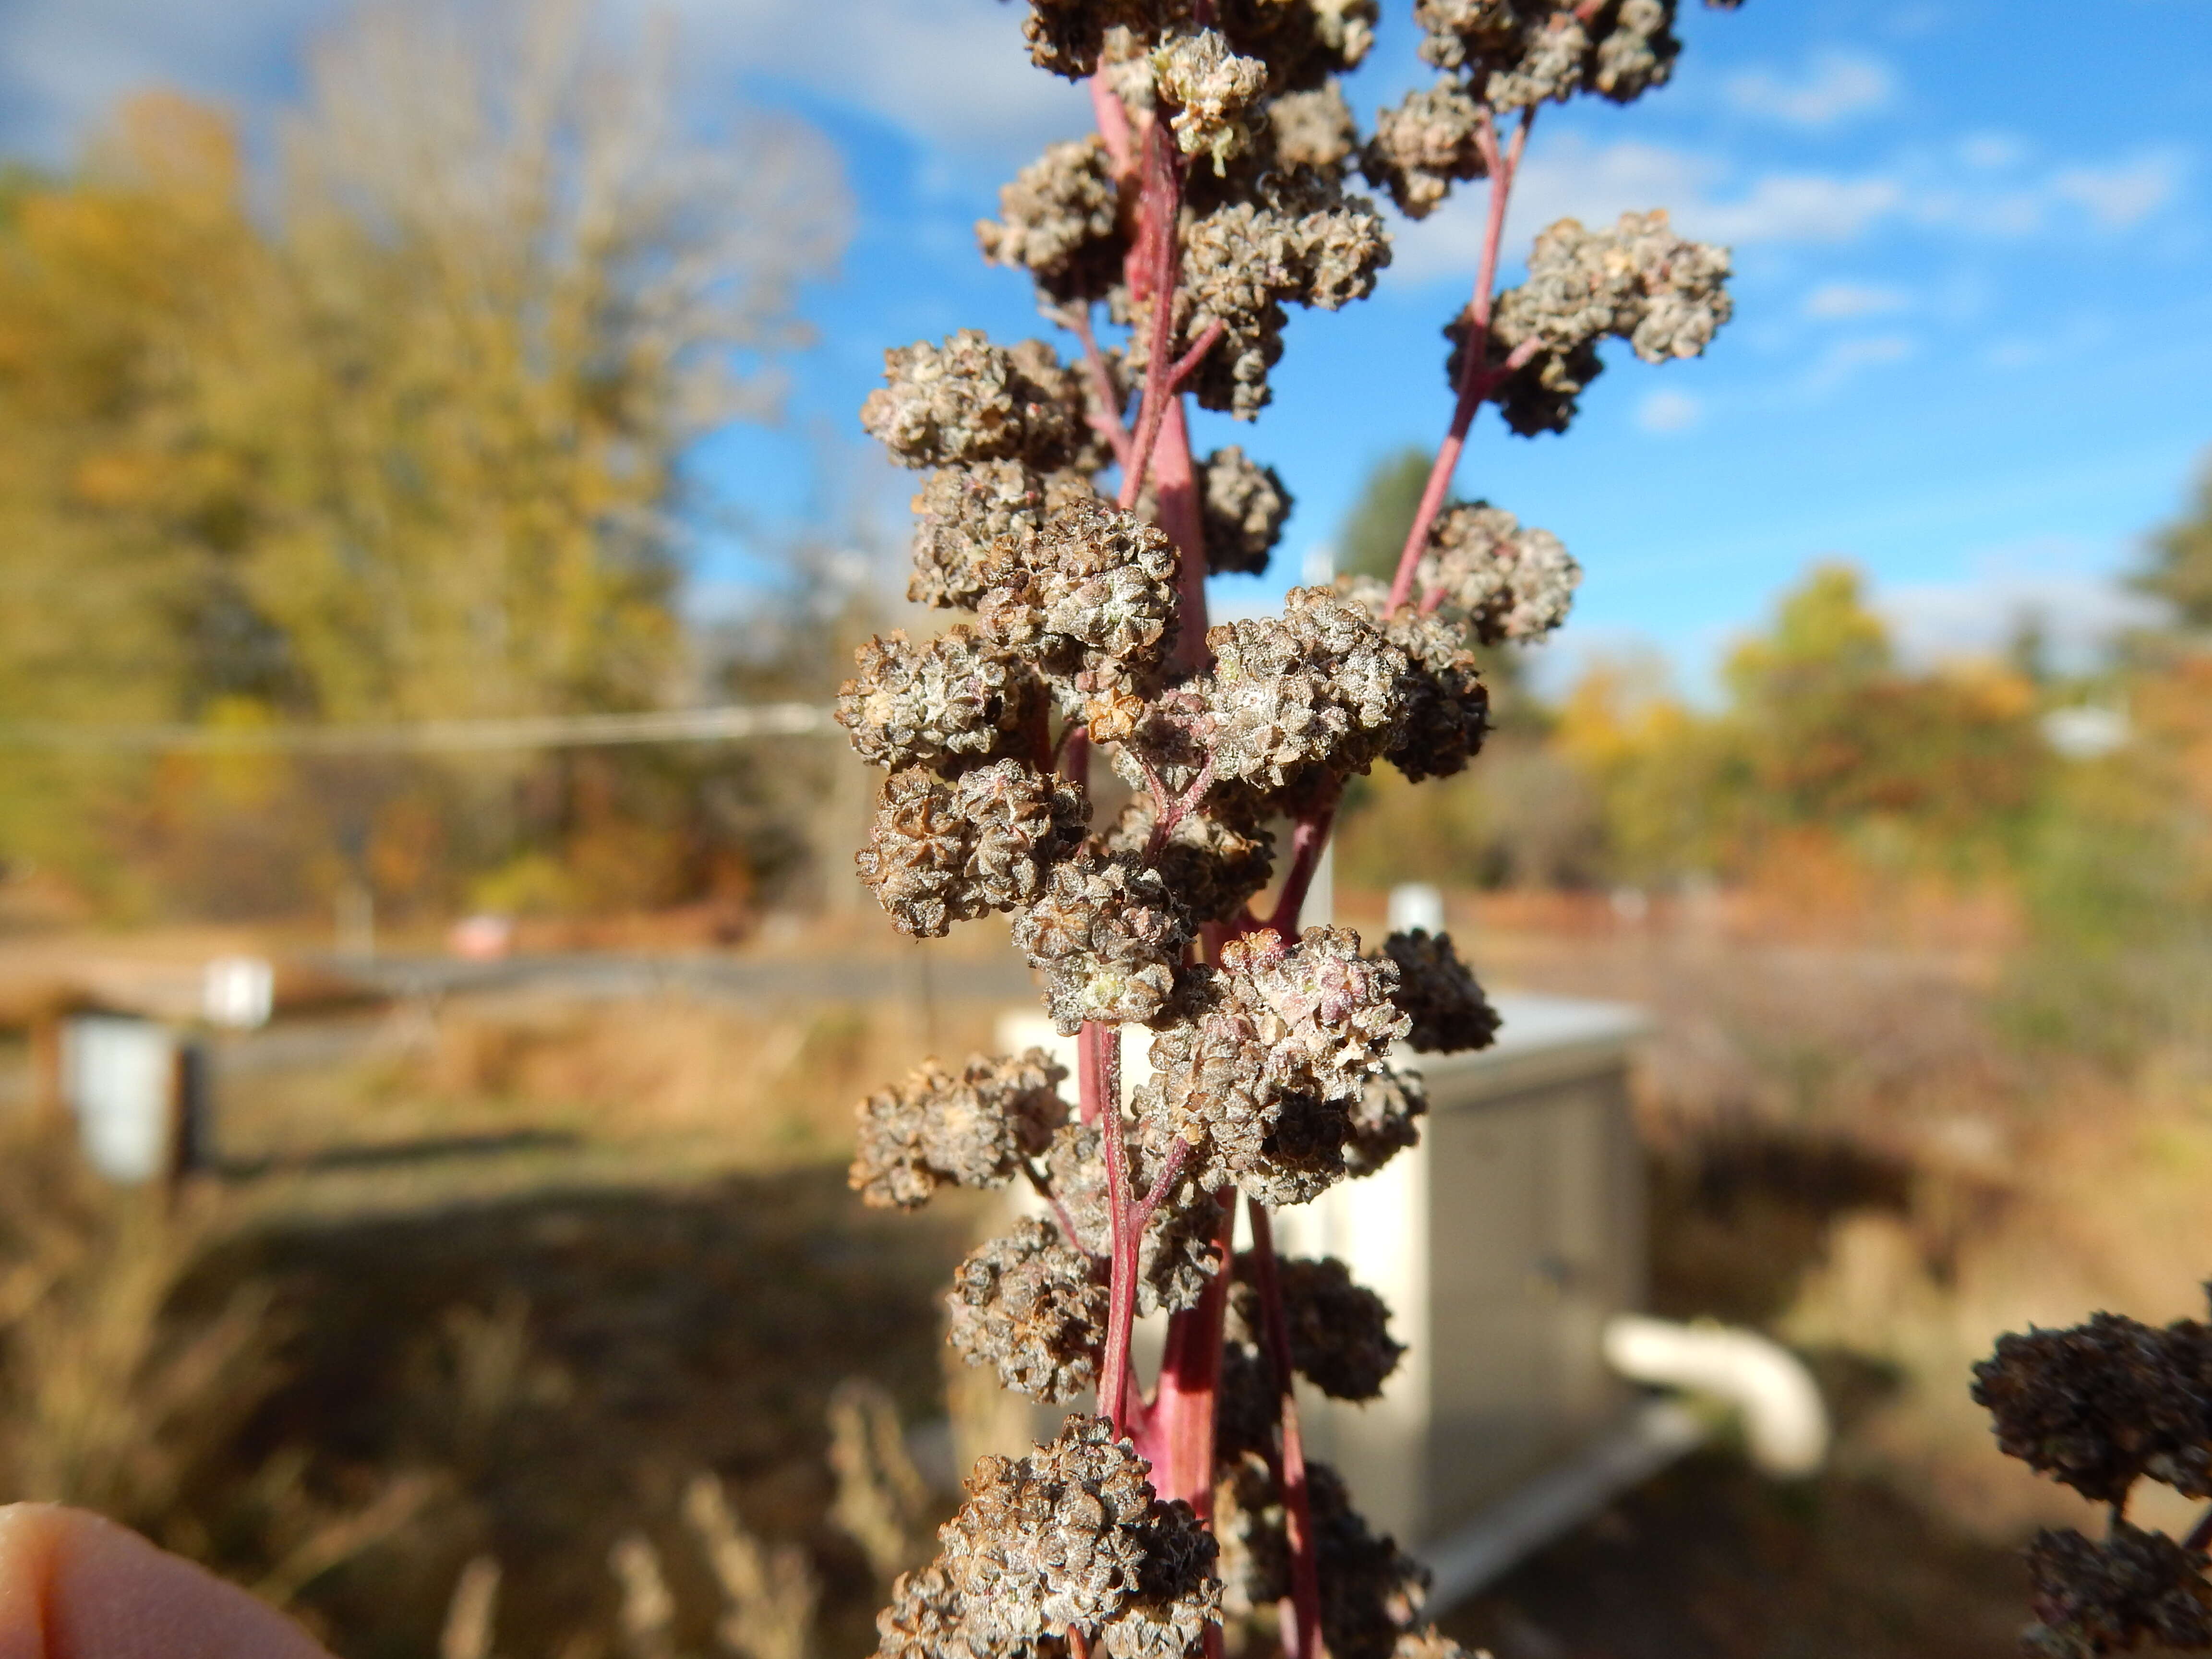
(432,517)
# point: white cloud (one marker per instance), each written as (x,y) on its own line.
(1833,301)
(2049,583)
(2124,194)
(1836,85)
(951,76)
(1795,208)
(1846,359)
(1665,413)
(1991,150)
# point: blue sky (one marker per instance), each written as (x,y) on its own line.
(1972,349)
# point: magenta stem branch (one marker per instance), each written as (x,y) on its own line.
(1473,382)
(1107,421)
(1309,837)
(1302,1625)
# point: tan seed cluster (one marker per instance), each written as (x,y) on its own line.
(970,1128)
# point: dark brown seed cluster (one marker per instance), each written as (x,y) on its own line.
(2131,1589)
(1242,507)
(1340,1330)
(2100,1405)
(1446,706)
(1371,1590)
(1637,282)
(1435,992)
(1033,1307)
(1068,1537)
(957,698)
(969,1128)
(1382,1121)
(942,852)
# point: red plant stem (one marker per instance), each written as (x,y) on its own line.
(1103,1064)
(1113,118)
(1163,206)
(1190,1377)
(1308,837)
(1472,382)
(1180,518)
(1302,1638)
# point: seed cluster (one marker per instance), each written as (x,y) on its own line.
(1501,580)
(1436,992)
(956,697)
(1071,1536)
(969,1128)
(1033,1306)
(1339,1330)
(1638,281)
(1243,511)
(942,852)
(2101,1407)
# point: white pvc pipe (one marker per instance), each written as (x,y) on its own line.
(1785,1423)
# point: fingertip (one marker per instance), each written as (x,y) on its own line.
(76,1586)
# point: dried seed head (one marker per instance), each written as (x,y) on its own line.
(2131,1589)
(1059,221)
(926,1619)
(1515,53)
(1178,1594)
(1210,87)
(1382,1121)
(1339,1331)
(1213,866)
(1297,239)
(1423,145)
(1447,707)
(1243,1411)
(1436,992)
(957,698)
(1319,688)
(968,400)
(1260,1071)
(1324,1011)
(1107,934)
(940,853)
(1181,1251)
(1638,53)
(1310,128)
(1243,511)
(2100,1405)
(969,1127)
(1054,1539)
(1637,282)
(1506,581)
(1371,1590)
(1031,1305)
(1093,593)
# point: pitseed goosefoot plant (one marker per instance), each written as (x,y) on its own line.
(2100,1407)
(1184,1516)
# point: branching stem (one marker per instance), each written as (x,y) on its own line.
(1309,837)
(1474,383)
(1162,209)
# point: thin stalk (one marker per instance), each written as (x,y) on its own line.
(1309,837)
(1103,1058)
(1301,1636)
(1180,517)
(1472,382)
(1109,420)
